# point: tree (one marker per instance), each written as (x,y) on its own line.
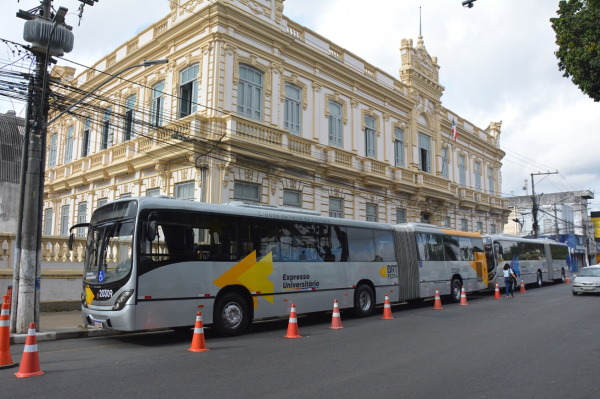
(578,38)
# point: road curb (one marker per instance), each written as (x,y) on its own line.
(66,334)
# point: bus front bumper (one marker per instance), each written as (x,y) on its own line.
(122,320)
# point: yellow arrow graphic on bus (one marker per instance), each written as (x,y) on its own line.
(89,295)
(383,271)
(251,274)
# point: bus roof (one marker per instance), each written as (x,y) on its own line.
(249,209)
(508,237)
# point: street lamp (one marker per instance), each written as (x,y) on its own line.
(145,64)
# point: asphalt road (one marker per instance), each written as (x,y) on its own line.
(542,344)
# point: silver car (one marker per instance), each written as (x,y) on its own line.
(587,280)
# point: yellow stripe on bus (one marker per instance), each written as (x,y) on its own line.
(461,233)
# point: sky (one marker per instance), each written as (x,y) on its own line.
(497,64)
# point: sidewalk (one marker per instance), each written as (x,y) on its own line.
(62,325)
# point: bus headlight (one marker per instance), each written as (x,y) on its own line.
(122,299)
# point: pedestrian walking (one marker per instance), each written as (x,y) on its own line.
(509,275)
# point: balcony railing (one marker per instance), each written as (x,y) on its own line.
(295,32)
(161,28)
(300,146)
(435,181)
(256,132)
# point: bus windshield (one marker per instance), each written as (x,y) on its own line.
(108,252)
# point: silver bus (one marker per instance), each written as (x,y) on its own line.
(533,260)
(154,262)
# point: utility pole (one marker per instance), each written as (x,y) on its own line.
(534,208)
(49,36)
(556,224)
(24,154)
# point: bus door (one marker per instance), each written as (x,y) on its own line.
(490,257)
(481,267)
(170,280)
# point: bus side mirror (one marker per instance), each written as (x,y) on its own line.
(71,241)
(151,232)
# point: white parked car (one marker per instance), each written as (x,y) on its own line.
(587,280)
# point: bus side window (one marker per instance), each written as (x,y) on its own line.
(436,247)
(298,242)
(258,235)
(431,247)
(360,245)
(477,244)
(542,251)
(498,250)
(422,246)
(384,246)
(214,238)
(466,250)
(332,246)
(172,244)
(451,248)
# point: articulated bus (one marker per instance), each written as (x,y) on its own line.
(154,262)
(533,260)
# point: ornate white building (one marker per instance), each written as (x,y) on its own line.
(253,106)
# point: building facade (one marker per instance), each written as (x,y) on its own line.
(562,217)
(252,106)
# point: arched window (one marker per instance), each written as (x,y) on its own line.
(424,153)
(129,132)
(370,137)
(106,130)
(445,163)
(491,180)
(69,145)
(250,93)
(292,111)
(399,146)
(335,124)
(156,118)
(461,171)
(188,91)
(85,144)
(52,157)
(477,170)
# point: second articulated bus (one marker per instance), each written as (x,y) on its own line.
(534,260)
(153,262)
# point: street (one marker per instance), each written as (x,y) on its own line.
(542,344)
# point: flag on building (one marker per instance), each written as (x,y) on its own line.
(454,130)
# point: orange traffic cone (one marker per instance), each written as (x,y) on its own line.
(567,278)
(30,362)
(437,303)
(336,320)
(497,292)
(5,357)
(522,290)
(198,343)
(387,309)
(463,297)
(292,331)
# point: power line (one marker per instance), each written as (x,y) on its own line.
(300,173)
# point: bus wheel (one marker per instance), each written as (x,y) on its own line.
(456,290)
(231,315)
(538,281)
(364,301)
